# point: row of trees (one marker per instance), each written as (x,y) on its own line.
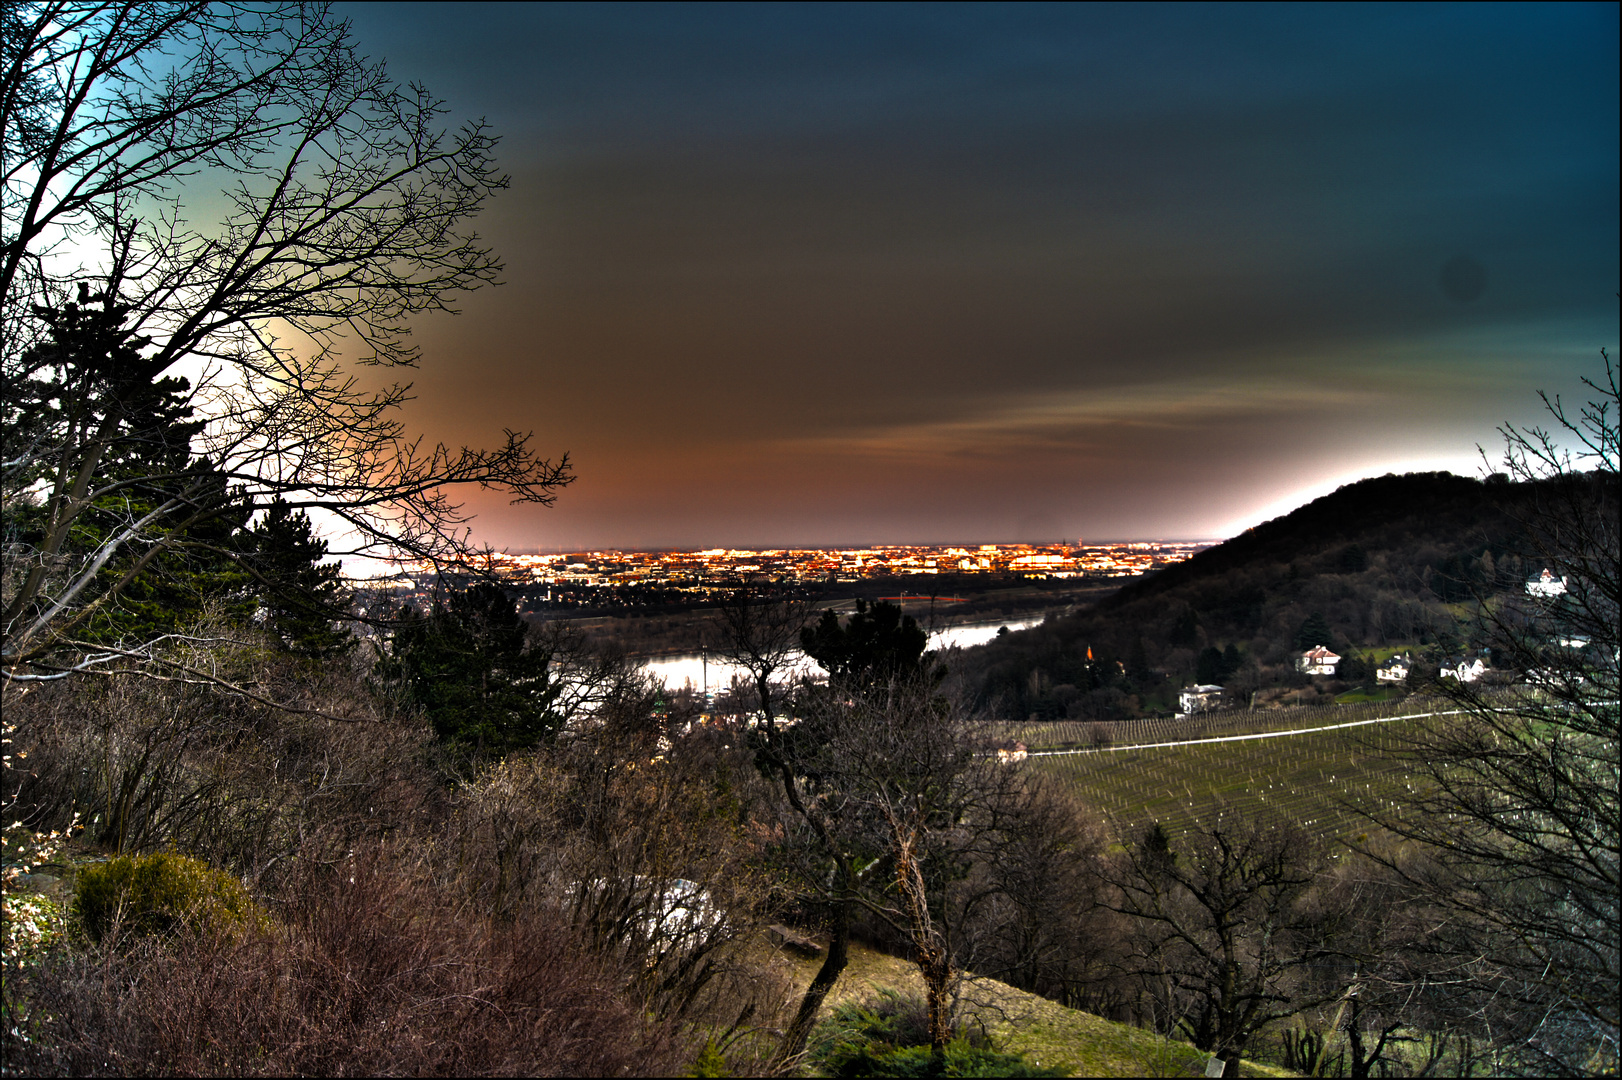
(896,824)
(894,811)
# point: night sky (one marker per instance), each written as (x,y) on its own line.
(815,275)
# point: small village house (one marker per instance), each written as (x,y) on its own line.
(1467,669)
(1394,670)
(1546,585)
(1011,753)
(1196,699)
(1317,660)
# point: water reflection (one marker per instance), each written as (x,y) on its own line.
(695,671)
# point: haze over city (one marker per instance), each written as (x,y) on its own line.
(817,275)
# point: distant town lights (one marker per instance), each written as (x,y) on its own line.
(712,568)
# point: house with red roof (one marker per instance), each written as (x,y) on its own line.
(1317,660)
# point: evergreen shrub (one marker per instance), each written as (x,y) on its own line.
(161,893)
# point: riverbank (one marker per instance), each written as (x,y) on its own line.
(704,672)
(671,635)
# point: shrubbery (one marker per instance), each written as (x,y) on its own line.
(29,921)
(373,967)
(160,893)
(28,924)
(890,1037)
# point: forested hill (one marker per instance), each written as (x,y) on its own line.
(1378,562)
(1396,515)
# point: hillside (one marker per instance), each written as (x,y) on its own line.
(1074,1042)
(1406,520)
(1384,563)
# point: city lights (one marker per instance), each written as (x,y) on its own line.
(702,570)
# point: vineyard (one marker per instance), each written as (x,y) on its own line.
(1076,734)
(1319,779)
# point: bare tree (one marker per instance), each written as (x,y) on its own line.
(1517,815)
(886,795)
(860,769)
(639,829)
(1031,910)
(1389,1011)
(345,211)
(1224,928)
(898,798)
(761,634)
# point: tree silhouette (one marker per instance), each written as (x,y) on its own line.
(1314,631)
(300,596)
(874,644)
(1224,925)
(1516,807)
(345,214)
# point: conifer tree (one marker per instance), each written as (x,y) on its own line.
(468,664)
(1315,631)
(346,211)
(874,644)
(300,597)
(89,370)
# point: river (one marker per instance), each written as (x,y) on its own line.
(693,670)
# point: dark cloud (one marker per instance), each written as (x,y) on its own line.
(792,272)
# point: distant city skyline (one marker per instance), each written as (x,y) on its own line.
(1080,542)
(827,275)
(582,578)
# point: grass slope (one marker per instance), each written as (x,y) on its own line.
(1078,1043)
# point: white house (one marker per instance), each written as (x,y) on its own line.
(1317,660)
(1546,585)
(1395,669)
(1466,669)
(1201,698)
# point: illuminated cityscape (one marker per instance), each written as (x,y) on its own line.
(976,580)
(703,570)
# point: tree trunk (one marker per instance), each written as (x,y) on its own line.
(933,960)
(937,979)
(1354,1036)
(799,1030)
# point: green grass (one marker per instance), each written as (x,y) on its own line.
(1362,697)
(1383,653)
(1074,1042)
(1082,1044)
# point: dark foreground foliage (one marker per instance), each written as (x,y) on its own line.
(372,970)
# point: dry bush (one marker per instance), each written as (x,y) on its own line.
(375,970)
(640,830)
(151,764)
